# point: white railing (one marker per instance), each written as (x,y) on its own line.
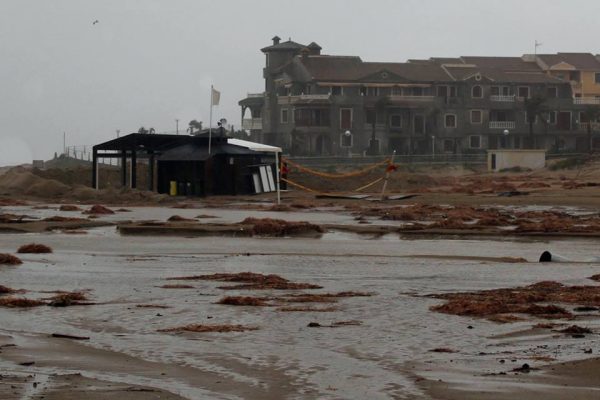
(584,126)
(502,98)
(411,98)
(502,124)
(586,100)
(252,123)
(256,95)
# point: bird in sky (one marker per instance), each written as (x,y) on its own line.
(95,22)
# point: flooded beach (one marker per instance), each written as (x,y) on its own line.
(387,350)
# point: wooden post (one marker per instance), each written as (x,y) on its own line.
(123,168)
(133,169)
(277,177)
(151,172)
(387,175)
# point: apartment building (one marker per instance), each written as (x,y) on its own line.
(316,104)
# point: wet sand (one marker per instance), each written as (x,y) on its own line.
(387,355)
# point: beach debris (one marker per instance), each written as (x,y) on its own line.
(19,302)
(9,259)
(98,209)
(279,227)
(308,309)
(72,337)
(442,350)
(58,218)
(34,248)
(525,368)
(69,207)
(336,324)
(151,306)
(6,290)
(595,277)
(178,218)
(575,329)
(251,281)
(243,301)
(176,286)
(280,207)
(66,299)
(27,363)
(519,300)
(202,328)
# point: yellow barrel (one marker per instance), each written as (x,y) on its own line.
(173,188)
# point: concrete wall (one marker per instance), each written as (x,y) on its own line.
(532,159)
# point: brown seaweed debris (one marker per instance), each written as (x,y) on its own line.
(520,300)
(442,350)
(176,287)
(574,329)
(19,302)
(201,328)
(34,248)
(69,207)
(308,309)
(99,209)
(323,297)
(595,277)
(336,324)
(178,218)
(243,301)
(58,218)
(9,259)
(151,306)
(251,281)
(279,227)
(66,299)
(6,290)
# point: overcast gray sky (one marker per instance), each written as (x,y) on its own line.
(150,62)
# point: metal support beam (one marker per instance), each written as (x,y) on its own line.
(95,169)
(151,172)
(123,168)
(133,169)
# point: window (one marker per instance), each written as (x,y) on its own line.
(396,121)
(372,91)
(311,117)
(346,139)
(448,146)
(597,77)
(535,120)
(442,91)
(477,92)
(452,91)
(475,142)
(345,118)
(417,91)
(450,121)
(337,91)
(371,116)
(396,91)
(284,115)
(552,117)
(523,92)
(552,92)
(475,116)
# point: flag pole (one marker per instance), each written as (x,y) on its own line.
(210,119)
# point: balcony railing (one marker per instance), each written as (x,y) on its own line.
(502,124)
(586,100)
(584,126)
(252,123)
(502,98)
(304,98)
(398,97)
(256,95)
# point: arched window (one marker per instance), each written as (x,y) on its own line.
(477,92)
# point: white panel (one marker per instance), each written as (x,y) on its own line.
(256,182)
(264,179)
(270,176)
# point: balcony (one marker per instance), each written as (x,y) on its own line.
(252,123)
(397,97)
(503,98)
(256,95)
(586,100)
(584,126)
(305,99)
(502,124)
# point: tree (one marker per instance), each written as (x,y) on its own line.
(142,130)
(195,126)
(589,115)
(534,107)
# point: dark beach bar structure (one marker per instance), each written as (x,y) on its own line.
(182,165)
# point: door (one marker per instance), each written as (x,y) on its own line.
(346,119)
(563,120)
(419,124)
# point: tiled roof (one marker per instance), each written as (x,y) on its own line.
(502,63)
(462,73)
(581,61)
(284,46)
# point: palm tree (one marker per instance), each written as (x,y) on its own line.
(590,114)
(534,107)
(195,125)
